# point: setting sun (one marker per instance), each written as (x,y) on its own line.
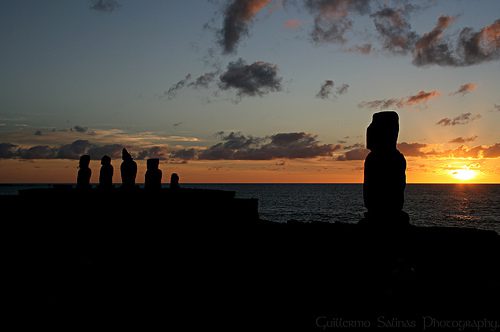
(463,174)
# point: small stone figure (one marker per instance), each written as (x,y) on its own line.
(128,170)
(153,175)
(174,181)
(106,174)
(84,173)
(384,178)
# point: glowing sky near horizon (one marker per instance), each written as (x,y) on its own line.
(249,91)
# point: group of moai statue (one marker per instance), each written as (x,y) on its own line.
(128,170)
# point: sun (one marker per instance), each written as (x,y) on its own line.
(463,174)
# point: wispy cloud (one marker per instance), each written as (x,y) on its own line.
(327,90)
(462,119)
(422,97)
(462,140)
(237,16)
(465,89)
(172,91)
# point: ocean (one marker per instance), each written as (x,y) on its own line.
(455,205)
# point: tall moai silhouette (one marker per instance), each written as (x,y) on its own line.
(153,175)
(84,173)
(385,171)
(128,170)
(106,173)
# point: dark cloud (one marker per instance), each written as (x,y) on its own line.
(465,89)
(203,81)
(342,89)
(355,154)
(463,139)
(326,91)
(395,30)
(73,150)
(158,152)
(172,92)
(37,152)
(496,107)
(381,104)
(107,6)
(177,124)
(462,119)
(430,48)
(112,150)
(354,146)
(331,20)
(237,16)
(422,97)
(184,154)
(256,79)
(79,129)
(8,150)
(412,149)
(38,133)
(470,48)
(235,146)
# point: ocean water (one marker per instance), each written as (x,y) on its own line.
(455,205)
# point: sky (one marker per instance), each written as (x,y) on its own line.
(248,90)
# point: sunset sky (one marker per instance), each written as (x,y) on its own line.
(249,90)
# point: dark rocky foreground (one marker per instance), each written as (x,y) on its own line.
(204,259)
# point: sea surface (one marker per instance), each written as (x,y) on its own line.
(456,205)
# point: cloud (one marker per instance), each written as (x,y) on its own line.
(79,129)
(256,79)
(496,107)
(158,152)
(465,89)
(107,6)
(470,48)
(237,16)
(430,48)
(342,89)
(112,150)
(236,146)
(326,90)
(412,149)
(292,24)
(73,150)
(37,152)
(395,31)
(462,119)
(422,97)
(355,154)
(331,20)
(481,151)
(184,154)
(38,133)
(363,49)
(204,80)
(172,92)
(7,150)
(463,139)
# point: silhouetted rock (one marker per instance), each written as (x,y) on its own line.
(384,175)
(128,170)
(84,173)
(174,181)
(153,175)
(106,174)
